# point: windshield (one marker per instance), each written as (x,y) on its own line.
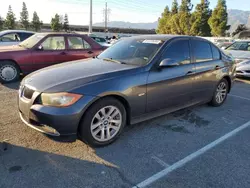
(132,51)
(32,41)
(244,46)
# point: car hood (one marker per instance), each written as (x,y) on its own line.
(71,75)
(11,48)
(239,54)
(243,67)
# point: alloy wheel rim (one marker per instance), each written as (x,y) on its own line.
(8,72)
(221,92)
(106,123)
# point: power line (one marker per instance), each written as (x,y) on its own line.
(135,5)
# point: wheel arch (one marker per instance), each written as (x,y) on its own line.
(115,96)
(13,61)
(229,82)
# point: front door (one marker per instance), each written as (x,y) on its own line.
(171,87)
(52,51)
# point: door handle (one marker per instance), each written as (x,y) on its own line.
(63,53)
(217,67)
(90,52)
(190,72)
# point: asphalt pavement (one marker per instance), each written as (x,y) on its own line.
(31,159)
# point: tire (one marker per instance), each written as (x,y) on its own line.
(9,72)
(221,86)
(94,127)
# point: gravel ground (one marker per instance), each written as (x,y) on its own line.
(31,159)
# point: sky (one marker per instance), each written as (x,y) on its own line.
(134,11)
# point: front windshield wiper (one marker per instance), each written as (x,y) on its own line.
(23,46)
(113,60)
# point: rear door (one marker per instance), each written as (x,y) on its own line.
(52,51)
(79,48)
(208,64)
(171,87)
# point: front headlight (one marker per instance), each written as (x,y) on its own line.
(244,62)
(59,99)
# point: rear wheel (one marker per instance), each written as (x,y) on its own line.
(220,93)
(103,122)
(9,72)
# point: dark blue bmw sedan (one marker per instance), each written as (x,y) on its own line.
(136,79)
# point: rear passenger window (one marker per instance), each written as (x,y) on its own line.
(77,43)
(178,50)
(216,53)
(202,51)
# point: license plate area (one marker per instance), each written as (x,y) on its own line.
(24,108)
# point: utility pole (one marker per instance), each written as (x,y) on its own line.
(106,17)
(90,18)
(106,12)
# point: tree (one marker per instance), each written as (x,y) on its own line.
(36,23)
(174,9)
(66,23)
(184,15)
(164,22)
(24,17)
(175,25)
(56,25)
(1,23)
(10,21)
(199,19)
(241,27)
(186,6)
(218,20)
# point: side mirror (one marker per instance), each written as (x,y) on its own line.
(168,63)
(40,47)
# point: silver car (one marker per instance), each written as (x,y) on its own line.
(240,51)
(243,69)
(101,41)
(14,37)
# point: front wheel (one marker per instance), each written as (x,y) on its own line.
(9,72)
(103,122)
(220,93)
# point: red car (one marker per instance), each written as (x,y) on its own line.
(42,50)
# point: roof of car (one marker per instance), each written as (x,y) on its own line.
(160,37)
(60,33)
(242,41)
(97,37)
(15,31)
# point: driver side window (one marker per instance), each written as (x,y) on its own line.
(179,51)
(54,43)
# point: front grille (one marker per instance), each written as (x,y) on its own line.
(27,92)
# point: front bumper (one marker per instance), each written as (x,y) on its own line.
(52,120)
(41,128)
